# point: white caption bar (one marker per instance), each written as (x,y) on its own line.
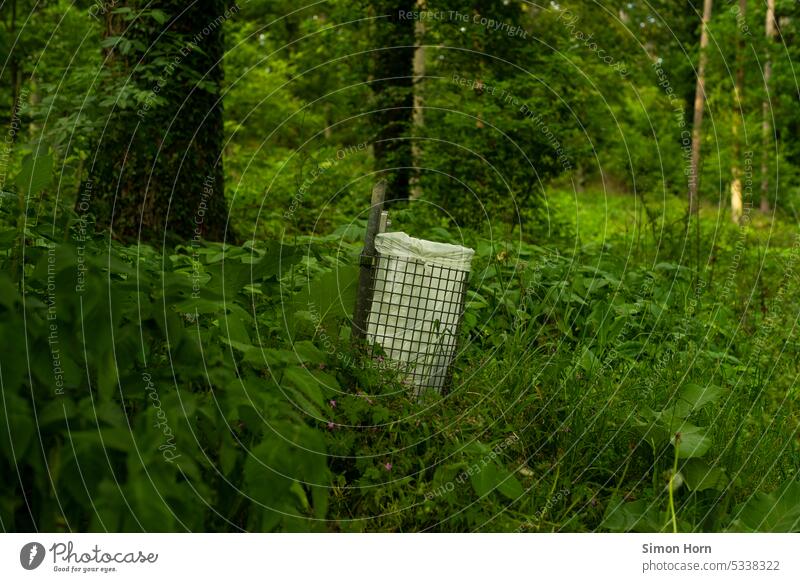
(356,557)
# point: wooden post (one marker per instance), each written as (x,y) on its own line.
(365,284)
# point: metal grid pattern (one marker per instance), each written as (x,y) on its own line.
(415,316)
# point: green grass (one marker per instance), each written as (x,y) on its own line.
(629,388)
(611,379)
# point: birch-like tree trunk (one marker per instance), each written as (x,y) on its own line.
(766,126)
(736,127)
(699,102)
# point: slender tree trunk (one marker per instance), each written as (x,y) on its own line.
(13,66)
(766,126)
(736,126)
(699,102)
(158,167)
(394,94)
(419,114)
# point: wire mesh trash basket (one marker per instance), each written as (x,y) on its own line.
(418,291)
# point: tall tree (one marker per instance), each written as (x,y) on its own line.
(393,75)
(419,104)
(13,58)
(158,169)
(766,126)
(699,102)
(738,115)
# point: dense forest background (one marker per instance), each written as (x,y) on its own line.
(185,187)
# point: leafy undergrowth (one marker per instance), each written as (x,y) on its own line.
(216,387)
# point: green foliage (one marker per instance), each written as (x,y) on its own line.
(151,397)
(620,368)
(215,387)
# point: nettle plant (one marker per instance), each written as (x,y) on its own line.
(155,391)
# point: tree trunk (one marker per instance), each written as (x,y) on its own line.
(13,67)
(419,114)
(394,95)
(699,102)
(738,115)
(765,109)
(158,169)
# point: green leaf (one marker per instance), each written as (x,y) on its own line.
(291,456)
(307,393)
(699,475)
(158,16)
(631,350)
(200,305)
(308,352)
(234,326)
(7,237)
(697,396)
(107,378)
(319,497)
(493,477)
(773,512)
(14,443)
(247,348)
(110,438)
(35,174)
(230,275)
(693,441)
(510,486)
(57,411)
(330,295)
(263,357)
(638,516)
(228,455)
(589,361)
(485,480)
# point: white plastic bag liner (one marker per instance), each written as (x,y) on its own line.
(418,299)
